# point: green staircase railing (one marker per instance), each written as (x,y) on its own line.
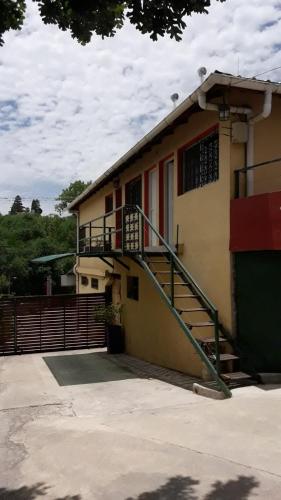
(177,269)
(129,234)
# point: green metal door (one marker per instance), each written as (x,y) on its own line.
(258,302)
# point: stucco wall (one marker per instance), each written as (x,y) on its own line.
(152,332)
(203,216)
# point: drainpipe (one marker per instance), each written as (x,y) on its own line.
(267,106)
(266,111)
(76,212)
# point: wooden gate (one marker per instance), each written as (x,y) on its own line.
(59,322)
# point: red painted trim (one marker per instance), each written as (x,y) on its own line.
(118,216)
(187,145)
(161,192)
(146,202)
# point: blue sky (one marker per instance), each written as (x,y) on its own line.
(69,112)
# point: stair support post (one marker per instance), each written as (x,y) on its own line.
(172,281)
(217,341)
(210,367)
(142,235)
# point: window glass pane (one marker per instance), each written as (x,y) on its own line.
(133,287)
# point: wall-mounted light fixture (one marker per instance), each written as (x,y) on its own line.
(224,112)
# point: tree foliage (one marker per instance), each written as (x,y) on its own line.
(104,17)
(69,194)
(17,206)
(35,207)
(26,237)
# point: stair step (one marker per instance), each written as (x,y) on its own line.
(189,296)
(192,309)
(224,357)
(158,262)
(175,284)
(210,340)
(200,325)
(165,272)
(235,376)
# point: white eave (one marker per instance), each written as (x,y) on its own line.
(212,80)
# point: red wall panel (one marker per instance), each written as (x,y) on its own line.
(255,223)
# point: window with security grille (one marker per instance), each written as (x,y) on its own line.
(200,163)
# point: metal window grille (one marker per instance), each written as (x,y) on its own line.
(200,163)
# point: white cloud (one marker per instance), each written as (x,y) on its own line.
(69,111)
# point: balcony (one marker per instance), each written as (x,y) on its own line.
(255,221)
(124,231)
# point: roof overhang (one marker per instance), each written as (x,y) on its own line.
(167,125)
(51,258)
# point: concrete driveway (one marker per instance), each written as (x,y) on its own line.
(85,429)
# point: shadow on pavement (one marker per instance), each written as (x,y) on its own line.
(31,493)
(183,488)
(76,369)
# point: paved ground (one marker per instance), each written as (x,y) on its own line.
(114,436)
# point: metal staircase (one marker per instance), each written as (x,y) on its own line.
(176,286)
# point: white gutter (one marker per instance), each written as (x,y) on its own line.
(266,111)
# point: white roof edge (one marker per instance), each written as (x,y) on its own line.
(211,80)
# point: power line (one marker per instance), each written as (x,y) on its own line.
(45,198)
(268,71)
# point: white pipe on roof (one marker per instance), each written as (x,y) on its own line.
(209,106)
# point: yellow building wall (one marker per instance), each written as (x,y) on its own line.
(152,332)
(203,217)
(267,146)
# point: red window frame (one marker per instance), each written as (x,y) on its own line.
(161,191)
(146,201)
(187,145)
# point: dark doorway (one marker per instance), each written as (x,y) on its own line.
(258,299)
(133,192)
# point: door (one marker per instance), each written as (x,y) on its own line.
(152,205)
(258,299)
(169,201)
(118,217)
(133,192)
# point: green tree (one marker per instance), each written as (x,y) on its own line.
(104,17)
(35,207)
(69,194)
(28,236)
(17,206)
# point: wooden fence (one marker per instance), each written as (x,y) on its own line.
(59,322)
